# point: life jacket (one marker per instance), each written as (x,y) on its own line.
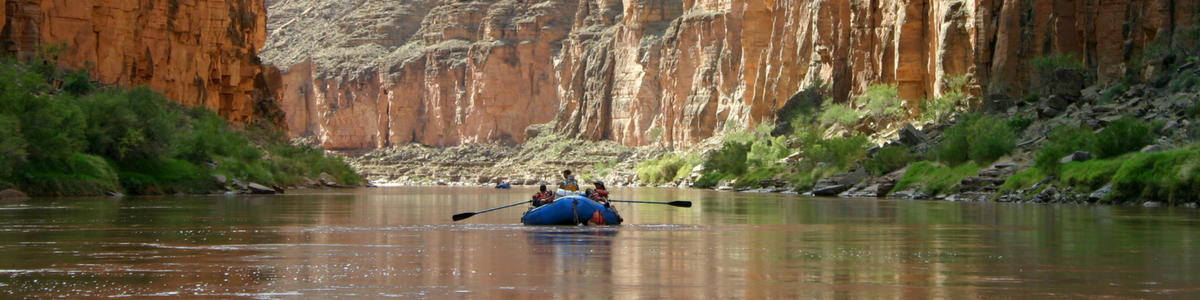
(570,185)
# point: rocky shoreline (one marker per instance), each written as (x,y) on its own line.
(540,160)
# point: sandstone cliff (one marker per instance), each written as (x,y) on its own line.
(197,52)
(365,74)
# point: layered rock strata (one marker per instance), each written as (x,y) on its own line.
(365,74)
(378,73)
(197,52)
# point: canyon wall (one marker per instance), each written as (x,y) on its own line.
(364,74)
(197,52)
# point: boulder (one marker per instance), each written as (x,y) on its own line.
(1077,156)
(998,102)
(1090,94)
(909,135)
(11,194)
(220,179)
(328,180)
(255,188)
(831,190)
(1101,193)
(1152,149)
(1067,82)
(310,183)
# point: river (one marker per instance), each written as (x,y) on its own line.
(399,242)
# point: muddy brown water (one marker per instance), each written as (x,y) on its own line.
(399,242)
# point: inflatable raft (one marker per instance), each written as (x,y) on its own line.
(572,210)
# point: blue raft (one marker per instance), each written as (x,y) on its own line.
(571,210)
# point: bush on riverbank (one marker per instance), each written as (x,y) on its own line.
(668,168)
(84,140)
(936,179)
(1120,137)
(979,138)
(1172,177)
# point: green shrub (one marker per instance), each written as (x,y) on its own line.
(1019,124)
(1061,141)
(838,151)
(133,124)
(1114,91)
(78,140)
(165,176)
(1031,98)
(753,179)
(78,83)
(1172,177)
(938,109)
(838,113)
(881,101)
(1183,82)
(1089,175)
(1123,136)
(767,150)
(889,159)
(1023,179)
(936,179)
(729,159)
(1046,65)
(979,138)
(1194,111)
(662,170)
(710,180)
(12,146)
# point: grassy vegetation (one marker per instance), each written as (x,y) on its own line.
(667,168)
(1172,177)
(889,159)
(1046,65)
(936,179)
(1120,137)
(979,138)
(79,139)
(938,109)
(1112,92)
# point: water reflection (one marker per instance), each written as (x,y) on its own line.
(400,242)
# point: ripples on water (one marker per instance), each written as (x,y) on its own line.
(400,243)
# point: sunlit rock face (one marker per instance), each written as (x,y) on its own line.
(367,74)
(197,52)
(434,72)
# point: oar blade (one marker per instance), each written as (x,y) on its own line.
(462,216)
(680,203)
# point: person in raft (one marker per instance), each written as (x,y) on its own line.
(600,194)
(542,197)
(569,182)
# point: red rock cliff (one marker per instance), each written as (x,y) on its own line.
(366,74)
(197,52)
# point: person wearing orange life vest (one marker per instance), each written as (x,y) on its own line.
(600,194)
(569,182)
(542,197)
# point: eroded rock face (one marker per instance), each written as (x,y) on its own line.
(376,73)
(197,52)
(439,73)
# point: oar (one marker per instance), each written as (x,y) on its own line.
(672,203)
(462,216)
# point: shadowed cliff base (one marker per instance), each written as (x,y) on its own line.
(63,134)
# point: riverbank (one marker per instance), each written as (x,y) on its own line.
(63,134)
(1120,143)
